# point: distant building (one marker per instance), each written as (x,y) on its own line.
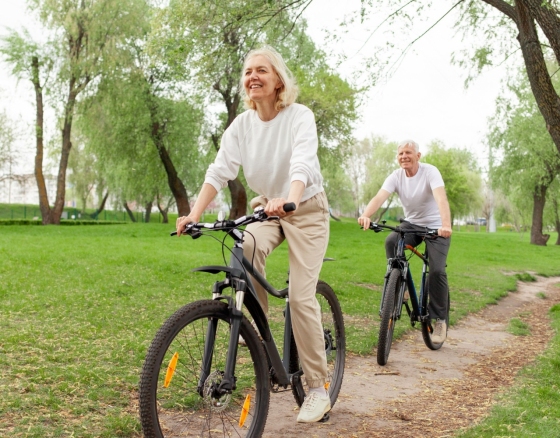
(22,189)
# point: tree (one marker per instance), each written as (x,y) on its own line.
(461,175)
(129,127)
(208,43)
(523,155)
(83,38)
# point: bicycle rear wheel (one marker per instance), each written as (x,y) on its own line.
(388,316)
(335,345)
(428,326)
(173,403)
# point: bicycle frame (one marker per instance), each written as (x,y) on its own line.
(237,279)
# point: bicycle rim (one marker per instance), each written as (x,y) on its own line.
(173,404)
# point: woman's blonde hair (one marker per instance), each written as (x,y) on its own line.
(287,93)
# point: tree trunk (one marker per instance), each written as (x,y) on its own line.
(238,199)
(546,97)
(46,212)
(65,152)
(236,188)
(556,219)
(97,212)
(539,199)
(175,184)
(163,211)
(129,211)
(148,212)
(385,210)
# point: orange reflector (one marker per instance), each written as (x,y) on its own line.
(245,410)
(170,370)
(327,384)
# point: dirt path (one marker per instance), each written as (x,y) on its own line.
(421,392)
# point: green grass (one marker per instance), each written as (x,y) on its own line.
(80,306)
(518,328)
(531,408)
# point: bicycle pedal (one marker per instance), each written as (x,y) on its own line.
(325,418)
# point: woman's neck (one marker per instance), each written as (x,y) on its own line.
(266,111)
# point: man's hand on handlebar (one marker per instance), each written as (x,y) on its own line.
(445,232)
(364,222)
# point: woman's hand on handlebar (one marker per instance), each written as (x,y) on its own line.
(364,222)
(275,207)
(445,232)
(183,221)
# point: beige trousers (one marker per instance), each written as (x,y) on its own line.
(307,232)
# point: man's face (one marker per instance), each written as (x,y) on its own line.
(407,157)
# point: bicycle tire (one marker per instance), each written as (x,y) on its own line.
(179,409)
(427,327)
(335,346)
(388,312)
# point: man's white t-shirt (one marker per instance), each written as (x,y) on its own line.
(273,153)
(416,194)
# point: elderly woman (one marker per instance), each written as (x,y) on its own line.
(275,141)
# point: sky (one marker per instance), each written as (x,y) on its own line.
(424,100)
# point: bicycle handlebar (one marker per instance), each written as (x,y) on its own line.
(380,227)
(193,229)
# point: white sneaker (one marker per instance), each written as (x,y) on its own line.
(313,408)
(440,332)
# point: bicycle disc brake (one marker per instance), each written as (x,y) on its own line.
(213,397)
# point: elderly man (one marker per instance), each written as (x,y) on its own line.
(421,190)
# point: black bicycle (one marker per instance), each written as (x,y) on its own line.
(398,279)
(198,380)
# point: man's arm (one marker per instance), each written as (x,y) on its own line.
(377,201)
(444,211)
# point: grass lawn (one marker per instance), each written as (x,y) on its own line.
(80,305)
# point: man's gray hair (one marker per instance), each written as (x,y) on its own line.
(410,143)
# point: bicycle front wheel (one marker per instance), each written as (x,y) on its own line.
(176,401)
(428,326)
(335,345)
(388,316)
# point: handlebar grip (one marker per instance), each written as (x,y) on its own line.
(290,206)
(174,233)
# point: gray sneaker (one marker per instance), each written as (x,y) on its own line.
(313,408)
(440,332)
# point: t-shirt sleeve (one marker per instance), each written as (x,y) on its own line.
(390,183)
(435,178)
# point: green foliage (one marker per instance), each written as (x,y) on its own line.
(524,158)
(462,177)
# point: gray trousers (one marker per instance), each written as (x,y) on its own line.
(437,258)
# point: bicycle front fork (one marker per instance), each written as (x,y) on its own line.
(227,384)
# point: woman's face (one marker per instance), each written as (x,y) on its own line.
(260,80)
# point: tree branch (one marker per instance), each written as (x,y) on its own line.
(503,7)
